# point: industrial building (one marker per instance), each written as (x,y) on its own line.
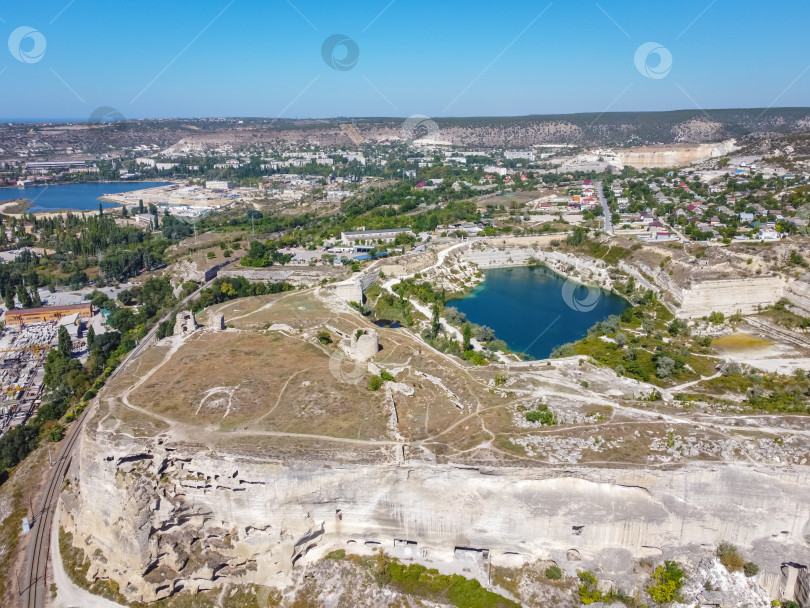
(45,314)
(363,236)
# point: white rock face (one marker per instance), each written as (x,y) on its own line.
(171,516)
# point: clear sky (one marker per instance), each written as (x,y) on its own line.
(180,58)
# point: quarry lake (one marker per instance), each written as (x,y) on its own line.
(534,310)
(78,197)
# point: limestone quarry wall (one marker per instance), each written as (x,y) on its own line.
(677,155)
(168,517)
(295,275)
(730,296)
(798,292)
(584,270)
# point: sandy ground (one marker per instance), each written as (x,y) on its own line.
(69,595)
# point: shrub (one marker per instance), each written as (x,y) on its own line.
(666,582)
(665,367)
(58,431)
(553,573)
(588,590)
(387,377)
(566,350)
(717,317)
(730,557)
(750,569)
(374,383)
(324,337)
(542,415)
(336,555)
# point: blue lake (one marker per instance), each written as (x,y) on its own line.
(80,197)
(534,310)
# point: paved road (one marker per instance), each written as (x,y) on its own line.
(34,587)
(605,208)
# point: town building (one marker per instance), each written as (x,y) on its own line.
(372,236)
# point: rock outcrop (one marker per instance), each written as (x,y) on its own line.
(159,517)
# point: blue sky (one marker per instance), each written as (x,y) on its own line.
(439,58)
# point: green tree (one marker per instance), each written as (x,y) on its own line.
(9,299)
(91,338)
(65,346)
(435,324)
(23,296)
(467,335)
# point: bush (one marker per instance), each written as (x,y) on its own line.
(57,432)
(387,377)
(588,590)
(553,573)
(750,569)
(375,383)
(566,350)
(665,367)
(730,557)
(666,582)
(542,415)
(324,337)
(717,317)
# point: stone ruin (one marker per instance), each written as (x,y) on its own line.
(364,346)
(185,323)
(217,322)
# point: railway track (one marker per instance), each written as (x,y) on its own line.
(33,587)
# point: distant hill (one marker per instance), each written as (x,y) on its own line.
(614,129)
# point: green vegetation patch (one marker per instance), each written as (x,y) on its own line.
(420,581)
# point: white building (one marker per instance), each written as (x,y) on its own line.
(515,154)
(768,234)
(372,236)
(495,169)
(218,185)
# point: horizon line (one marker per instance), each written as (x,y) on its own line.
(29,120)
